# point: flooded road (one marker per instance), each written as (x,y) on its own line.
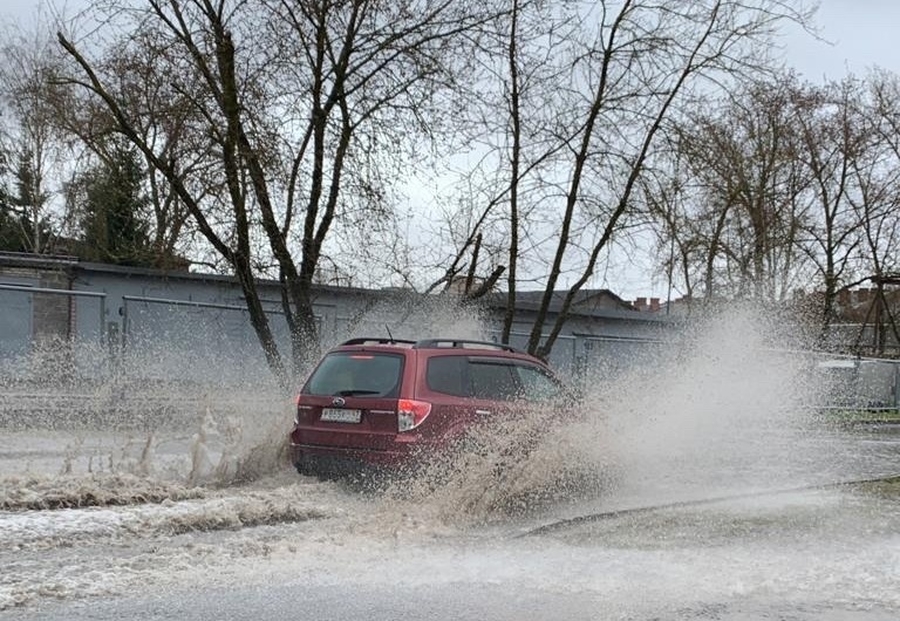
(700,485)
(286,546)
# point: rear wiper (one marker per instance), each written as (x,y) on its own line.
(356,392)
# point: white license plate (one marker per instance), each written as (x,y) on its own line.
(339,415)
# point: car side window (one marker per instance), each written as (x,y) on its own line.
(493,380)
(537,385)
(447,374)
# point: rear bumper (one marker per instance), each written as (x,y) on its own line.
(300,452)
(337,461)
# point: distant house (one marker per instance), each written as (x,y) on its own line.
(867,319)
(592,313)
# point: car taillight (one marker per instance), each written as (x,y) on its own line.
(302,411)
(411,413)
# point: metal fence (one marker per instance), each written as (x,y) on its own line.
(855,382)
(64,361)
(47,331)
(61,348)
(194,341)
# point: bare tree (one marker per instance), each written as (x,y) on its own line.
(500,209)
(876,203)
(743,161)
(669,193)
(792,184)
(610,92)
(878,176)
(836,139)
(301,105)
(29,134)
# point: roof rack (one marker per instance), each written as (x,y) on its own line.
(464,343)
(377,340)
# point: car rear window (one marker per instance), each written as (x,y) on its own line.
(358,374)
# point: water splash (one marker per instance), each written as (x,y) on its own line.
(717,408)
(176,413)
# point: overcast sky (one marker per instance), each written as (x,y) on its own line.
(863,33)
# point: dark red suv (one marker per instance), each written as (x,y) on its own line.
(385,402)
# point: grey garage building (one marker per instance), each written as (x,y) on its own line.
(71,319)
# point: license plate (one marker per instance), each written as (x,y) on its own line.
(339,415)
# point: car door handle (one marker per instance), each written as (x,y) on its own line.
(482,412)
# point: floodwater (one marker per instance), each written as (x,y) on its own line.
(713,496)
(264,547)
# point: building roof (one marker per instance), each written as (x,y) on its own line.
(586,303)
(596,303)
(584,300)
(74,266)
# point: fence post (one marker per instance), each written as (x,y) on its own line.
(897,385)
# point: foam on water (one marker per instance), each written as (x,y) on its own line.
(667,563)
(102,549)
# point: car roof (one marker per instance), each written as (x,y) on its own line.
(433,344)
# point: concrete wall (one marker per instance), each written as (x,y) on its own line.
(154,326)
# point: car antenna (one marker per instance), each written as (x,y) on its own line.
(388,328)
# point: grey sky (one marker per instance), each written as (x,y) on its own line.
(862,33)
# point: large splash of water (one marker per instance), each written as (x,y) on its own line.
(82,428)
(718,408)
